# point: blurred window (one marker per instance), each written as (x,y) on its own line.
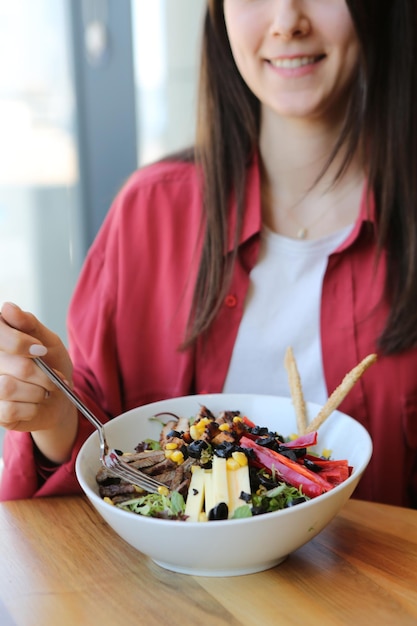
(38,157)
(166,36)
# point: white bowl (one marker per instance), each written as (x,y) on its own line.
(229,547)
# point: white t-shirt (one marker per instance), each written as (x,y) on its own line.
(282,309)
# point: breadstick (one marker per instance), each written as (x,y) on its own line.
(341,392)
(296,391)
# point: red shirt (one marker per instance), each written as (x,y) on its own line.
(130,308)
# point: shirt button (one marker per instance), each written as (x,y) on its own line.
(230,301)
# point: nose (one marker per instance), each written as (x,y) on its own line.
(289,19)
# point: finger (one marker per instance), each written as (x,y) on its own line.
(13,390)
(21,332)
(24,370)
(21,416)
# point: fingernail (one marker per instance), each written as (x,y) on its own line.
(37,350)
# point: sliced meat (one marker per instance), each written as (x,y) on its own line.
(181,478)
(142,460)
(165,465)
(113,490)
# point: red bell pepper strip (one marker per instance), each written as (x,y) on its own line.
(334,471)
(291,464)
(326,462)
(335,475)
(248,422)
(303,441)
(289,471)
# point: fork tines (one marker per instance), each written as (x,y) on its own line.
(134,476)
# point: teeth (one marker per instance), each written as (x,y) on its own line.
(290,63)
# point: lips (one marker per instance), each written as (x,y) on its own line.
(295,62)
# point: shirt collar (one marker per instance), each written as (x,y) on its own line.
(366,219)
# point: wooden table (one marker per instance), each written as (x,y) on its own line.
(61,564)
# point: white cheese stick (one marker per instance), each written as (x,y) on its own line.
(195,496)
(220,488)
(238,481)
(208,491)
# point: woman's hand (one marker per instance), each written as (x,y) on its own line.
(29,401)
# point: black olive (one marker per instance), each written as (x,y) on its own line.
(288,453)
(184,450)
(312,466)
(246,497)
(219,512)
(174,433)
(259,430)
(300,452)
(254,479)
(267,482)
(267,442)
(258,510)
(225,449)
(196,448)
(249,452)
(296,501)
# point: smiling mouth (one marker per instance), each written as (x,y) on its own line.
(296,61)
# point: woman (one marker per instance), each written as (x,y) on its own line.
(291,223)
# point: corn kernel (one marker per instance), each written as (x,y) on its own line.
(224,426)
(237,419)
(232,464)
(241,458)
(163,491)
(108,500)
(194,432)
(203,422)
(326,453)
(171,445)
(177,456)
(169,453)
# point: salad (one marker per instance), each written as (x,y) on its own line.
(223,466)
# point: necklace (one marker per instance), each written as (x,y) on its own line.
(302,232)
(303,229)
(341,204)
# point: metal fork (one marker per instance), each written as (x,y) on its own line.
(108,456)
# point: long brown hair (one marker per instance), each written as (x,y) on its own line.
(381,114)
